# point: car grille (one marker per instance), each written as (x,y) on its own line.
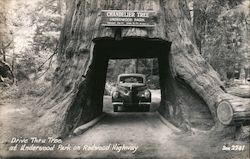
(134,97)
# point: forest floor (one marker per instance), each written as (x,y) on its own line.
(143,134)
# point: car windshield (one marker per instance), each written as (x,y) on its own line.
(131,79)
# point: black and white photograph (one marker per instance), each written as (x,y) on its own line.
(125,79)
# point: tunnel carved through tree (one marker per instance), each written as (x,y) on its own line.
(75,99)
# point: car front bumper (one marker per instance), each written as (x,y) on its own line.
(141,103)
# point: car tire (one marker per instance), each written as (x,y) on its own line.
(115,108)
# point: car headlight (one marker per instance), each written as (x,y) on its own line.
(147,94)
(115,94)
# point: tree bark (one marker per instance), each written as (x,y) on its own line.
(76,96)
(6,72)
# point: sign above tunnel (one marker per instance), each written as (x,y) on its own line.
(128,18)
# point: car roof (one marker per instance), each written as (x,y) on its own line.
(132,74)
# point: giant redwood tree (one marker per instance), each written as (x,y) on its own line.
(86,46)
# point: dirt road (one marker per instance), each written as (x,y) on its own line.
(123,135)
(143,135)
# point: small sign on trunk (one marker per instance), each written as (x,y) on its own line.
(128,18)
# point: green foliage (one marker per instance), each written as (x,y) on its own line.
(222,35)
(24,88)
(48,20)
(148,67)
(36,28)
(6,37)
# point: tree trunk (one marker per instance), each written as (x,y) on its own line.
(4,56)
(233,110)
(77,94)
(3,52)
(199,22)
(6,72)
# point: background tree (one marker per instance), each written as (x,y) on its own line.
(36,27)
(221,34)
(6,38)
(148,67)
(6,44)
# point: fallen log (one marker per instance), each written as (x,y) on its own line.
(240,91)
(233,110)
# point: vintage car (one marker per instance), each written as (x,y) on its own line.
(131,92)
